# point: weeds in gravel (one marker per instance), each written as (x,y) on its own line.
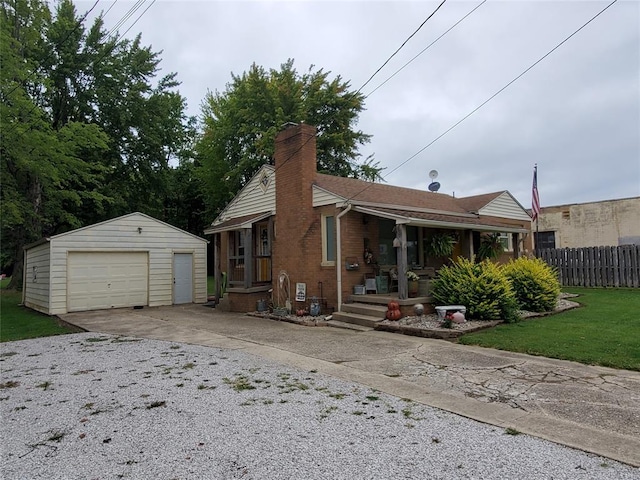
(96,339)
(338,396)
(179,385)
(239,383)
(324,413)
(512,431)
(358,412)
(45,385)
(156,404)
(9,384)
(188,366)
(8,354)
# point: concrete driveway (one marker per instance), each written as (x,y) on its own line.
(595,409)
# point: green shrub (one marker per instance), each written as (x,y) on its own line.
(534,283)
(481,287)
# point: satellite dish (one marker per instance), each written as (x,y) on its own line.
(434,186)
(433,174)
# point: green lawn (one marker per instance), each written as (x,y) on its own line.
(604,331)
(18,323)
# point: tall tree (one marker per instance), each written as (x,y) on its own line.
(86,135)
(241,123)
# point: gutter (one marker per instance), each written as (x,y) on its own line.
(339,255)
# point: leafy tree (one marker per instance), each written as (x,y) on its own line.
(86,135)
(241,123)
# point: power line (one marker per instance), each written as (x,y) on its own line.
(139,17)
(427,47)
(400,47)
(126,17)
(491,97)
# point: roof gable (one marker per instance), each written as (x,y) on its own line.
(257,196)
(120,220)
(497,204)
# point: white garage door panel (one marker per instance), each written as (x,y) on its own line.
(99,280)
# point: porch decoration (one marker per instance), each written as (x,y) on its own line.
(413,278)
(393,311)
(440,244)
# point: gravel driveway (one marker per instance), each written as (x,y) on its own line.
(92,406)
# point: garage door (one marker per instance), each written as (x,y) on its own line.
(99,280)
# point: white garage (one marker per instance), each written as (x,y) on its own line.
(129,261)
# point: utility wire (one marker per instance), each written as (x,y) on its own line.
(126,17)
(400,47)
(491,97)
(427,47)
(136,20)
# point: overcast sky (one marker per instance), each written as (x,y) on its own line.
(576,114)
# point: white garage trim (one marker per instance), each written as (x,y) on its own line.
(107,279)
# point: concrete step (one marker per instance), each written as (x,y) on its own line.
(358,319)
(348,326)
(377,311)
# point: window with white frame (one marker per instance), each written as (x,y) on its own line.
(506,241)
(328,240)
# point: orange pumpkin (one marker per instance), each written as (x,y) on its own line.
(393,311)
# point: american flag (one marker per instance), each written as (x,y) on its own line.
(535,198)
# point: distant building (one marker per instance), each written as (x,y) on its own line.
(592,224)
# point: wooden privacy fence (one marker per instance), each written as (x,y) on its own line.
(595,266)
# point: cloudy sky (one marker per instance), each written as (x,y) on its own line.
(576,113)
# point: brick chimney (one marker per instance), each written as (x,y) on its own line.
(295,162)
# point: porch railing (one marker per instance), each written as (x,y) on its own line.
(261,273)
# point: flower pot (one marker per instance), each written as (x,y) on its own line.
(413,289)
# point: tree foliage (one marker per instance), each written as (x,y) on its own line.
(240,125)
(86,134)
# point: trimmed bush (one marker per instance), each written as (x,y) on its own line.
(534,283)
(481,287)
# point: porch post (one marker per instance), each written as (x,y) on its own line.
(248,258)
(516,245)
(403,283)
(216,266)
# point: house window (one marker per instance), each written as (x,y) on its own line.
(506,241)
(545,240)
(328,240)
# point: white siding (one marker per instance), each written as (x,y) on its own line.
(322,197)
(505,206)
(252,198)
(159,239)
(37,275)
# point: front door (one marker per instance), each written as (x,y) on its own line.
(182,278)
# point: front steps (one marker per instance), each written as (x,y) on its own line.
(369,310)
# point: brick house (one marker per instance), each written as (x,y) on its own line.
(316,228)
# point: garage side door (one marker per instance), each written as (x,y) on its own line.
(100,280)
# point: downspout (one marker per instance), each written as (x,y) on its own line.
(339,255)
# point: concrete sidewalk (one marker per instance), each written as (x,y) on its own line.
(595,409)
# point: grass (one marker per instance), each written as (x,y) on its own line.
(605,331)
(19,323)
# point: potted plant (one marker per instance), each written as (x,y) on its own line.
(440,244)
(491,246)
(413,278)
